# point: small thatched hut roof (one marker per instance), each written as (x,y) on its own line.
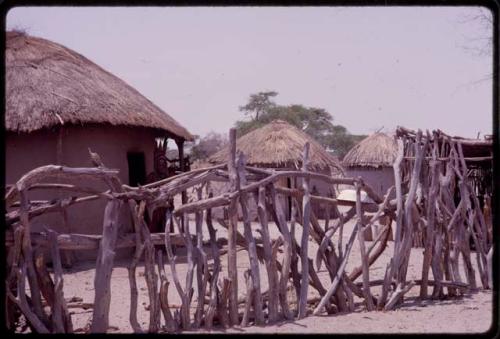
(280,145)
(376,150)
(48,84)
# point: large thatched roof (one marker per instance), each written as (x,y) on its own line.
(280,145)
(376,150)
(47,84)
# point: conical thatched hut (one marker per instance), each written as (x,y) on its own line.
(59,104)
(280,146)
(372,159)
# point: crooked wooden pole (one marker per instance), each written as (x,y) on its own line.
(427,216)
(364,257)
(272,273)
(104,267)
(231,234)
(252,251)
(306,208)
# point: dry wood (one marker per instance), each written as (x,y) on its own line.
(104,266)
(187,295)
(426,216)
(91,242)
(13,261)
(137,214)
(385,285)
(332,261)
(27,251)
(364,257)
(383,236)
(22,302)
(170,324)
(136,327)
(44,173)
(287,249)
(399,214)
(44,280)
(398,294)
(49,207)
(248,299)
(201,266)
(212,304)
(410,210)
(382,244)
(151,281)
(252,252)
(272,273)
(171,260)
(338,276)
(306,208)
(231,234)
(431,210)
(223,299)
(222,200)
(60,314)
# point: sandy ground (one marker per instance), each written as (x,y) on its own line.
(469,314)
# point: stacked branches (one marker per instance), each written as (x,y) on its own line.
(426,204)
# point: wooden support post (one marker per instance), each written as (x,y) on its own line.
(431,213)
(231,234)
(137,214)
(249,297)
(364,257)
(151,281)
(222,305)
(27,251)
(104,267)
(212,304)
(201,266)
(60,315)
(170,324)
(287,249)
(306,207)
(22,302)
(252,252)
(184,295)
(411,217)
(180,148)
(188,290)
(272,273)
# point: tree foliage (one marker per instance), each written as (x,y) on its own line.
(316,122)
(259,103)
(206,146)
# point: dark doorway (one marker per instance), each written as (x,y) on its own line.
(136,168)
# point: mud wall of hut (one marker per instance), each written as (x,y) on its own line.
(25,152)
(380,179)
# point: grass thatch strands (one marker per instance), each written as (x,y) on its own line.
(377,150)
(48,85)
(280,145)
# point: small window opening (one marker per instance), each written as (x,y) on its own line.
(136,168)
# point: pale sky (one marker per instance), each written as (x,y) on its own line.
(370,67)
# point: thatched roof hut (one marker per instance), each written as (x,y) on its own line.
(48,85)
(281,145)
(59,105)
(372,159)
(376,150)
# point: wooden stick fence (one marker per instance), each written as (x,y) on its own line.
(424,207)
